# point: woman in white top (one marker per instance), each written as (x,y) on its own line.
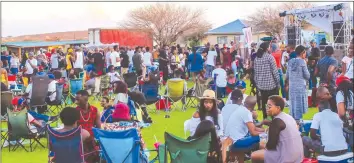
(206,111)
(14,63)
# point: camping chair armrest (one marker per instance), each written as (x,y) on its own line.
(162,153)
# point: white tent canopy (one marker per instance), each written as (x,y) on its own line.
(323,16)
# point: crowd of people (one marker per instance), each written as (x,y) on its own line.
(234,124)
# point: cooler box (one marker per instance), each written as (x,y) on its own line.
(345,158)
(161,105)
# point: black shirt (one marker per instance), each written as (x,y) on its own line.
(125,60)
(3,87)
(163,55)
(137,62)
(98,59)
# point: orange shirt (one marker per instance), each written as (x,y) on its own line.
(277,57)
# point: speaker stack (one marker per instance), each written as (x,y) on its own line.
(338,34)
(291,35)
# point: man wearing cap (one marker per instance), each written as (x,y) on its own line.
(31,64)
(240,85)
(238,127)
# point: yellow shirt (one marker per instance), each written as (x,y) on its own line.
(68,62)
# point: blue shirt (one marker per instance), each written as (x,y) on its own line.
(323,65)
(292,55)
(107,114)
(197,63)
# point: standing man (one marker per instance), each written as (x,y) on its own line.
(54,61)
(98,62)
(130,53)
(138,61)
(325,69)
(78,61)
(311,64)
(115,58)
(220,82)
(163,62)
(124,61)
(30,65)
(147,57)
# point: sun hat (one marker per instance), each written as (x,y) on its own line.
(208,94)
(121,112)
(340,79)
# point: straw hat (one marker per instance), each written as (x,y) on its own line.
(208,94)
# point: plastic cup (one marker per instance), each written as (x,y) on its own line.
(156,145)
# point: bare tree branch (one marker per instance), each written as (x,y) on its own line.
(267,18)
(166,22)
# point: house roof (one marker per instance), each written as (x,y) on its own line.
(44,43)
(234,27)
(57,36)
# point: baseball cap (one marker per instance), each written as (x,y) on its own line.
(236,94)
(241,84)
(340,79)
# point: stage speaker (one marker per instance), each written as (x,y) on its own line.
(291,35)
(338,34)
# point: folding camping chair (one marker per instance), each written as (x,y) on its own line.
(182,150)
(6,98)
(39,92)
(104,85)
(65,147)
(74,86)
(131,79)
(176,89)
(56,105)
(129,148)
(151,93)
(19,131)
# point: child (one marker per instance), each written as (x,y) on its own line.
(241,85)
(231,82)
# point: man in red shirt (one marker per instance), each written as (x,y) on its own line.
(277,54)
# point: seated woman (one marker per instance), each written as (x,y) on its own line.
(114,76)
(106,115)
(204,128)
(121,113)
(345,106)
(207,111)
(284,140)
(121,89)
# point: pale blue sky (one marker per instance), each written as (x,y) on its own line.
(22,18)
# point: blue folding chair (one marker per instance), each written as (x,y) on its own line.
(120,146)
(151,93)
(66,147)
(74,86)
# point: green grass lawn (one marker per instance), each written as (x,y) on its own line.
(173,125)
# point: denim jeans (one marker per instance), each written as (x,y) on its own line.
(221,91)
(38,116)
(281,83)
(209,70)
